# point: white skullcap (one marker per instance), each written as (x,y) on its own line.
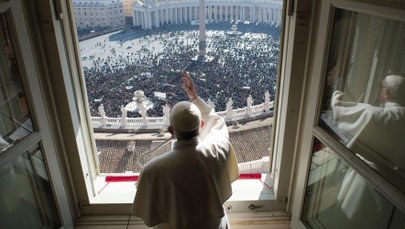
(395,83)
(185,117)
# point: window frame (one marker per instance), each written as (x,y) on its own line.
(78,140)
(42,137)
(310,128)
(296,38)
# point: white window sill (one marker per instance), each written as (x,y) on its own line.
(244,190)
(247,193)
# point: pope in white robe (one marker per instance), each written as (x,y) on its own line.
(375,134)
(186,187)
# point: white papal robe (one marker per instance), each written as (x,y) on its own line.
(186,187)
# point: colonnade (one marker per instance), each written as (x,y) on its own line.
(150,15)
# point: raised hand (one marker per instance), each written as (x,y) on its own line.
(188,85)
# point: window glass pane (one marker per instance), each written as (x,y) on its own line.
(15,121)
(338,197)
(132,74)
(364,97)
(26,199)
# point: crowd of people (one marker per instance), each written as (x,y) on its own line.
(236,66)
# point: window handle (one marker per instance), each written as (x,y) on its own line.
(253,206)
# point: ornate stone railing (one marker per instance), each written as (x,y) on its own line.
(257,166)
(156,123)
(243,113)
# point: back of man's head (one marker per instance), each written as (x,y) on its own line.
(396,85)
(185,120)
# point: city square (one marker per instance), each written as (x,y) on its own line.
(115,65)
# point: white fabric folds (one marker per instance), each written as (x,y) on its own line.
(186,187)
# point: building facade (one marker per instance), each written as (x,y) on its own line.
(128,11)
(128,7)
(152,14)
(99,14)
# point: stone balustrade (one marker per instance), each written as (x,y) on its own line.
(146,124)
(257,166)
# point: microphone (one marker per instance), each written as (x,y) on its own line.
(159,146)
(150,151)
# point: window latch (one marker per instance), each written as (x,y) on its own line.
(254,206)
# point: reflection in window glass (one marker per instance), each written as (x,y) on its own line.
(132,70)
(364,97)
(338,197)
(15,122)
(26,199)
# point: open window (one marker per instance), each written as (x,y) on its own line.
(59,50)
(354,174)
(76,157)
(30,188)
(132,78)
